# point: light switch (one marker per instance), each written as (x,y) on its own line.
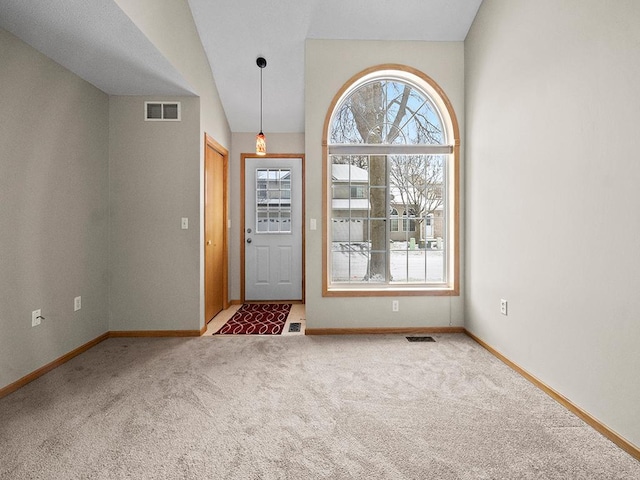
(185,223)
(312,224)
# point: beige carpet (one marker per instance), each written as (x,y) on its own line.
(350,407)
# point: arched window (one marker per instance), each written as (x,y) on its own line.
(391,135)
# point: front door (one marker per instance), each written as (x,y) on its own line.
(273,228)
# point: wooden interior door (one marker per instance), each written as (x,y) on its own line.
(215,225)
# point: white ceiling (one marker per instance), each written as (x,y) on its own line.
(96,40)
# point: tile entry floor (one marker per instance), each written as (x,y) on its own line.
(297,314)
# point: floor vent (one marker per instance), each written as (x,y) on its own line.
(294,327)
(420,339)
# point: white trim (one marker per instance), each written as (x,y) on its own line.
(383,149)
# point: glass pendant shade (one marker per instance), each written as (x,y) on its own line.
(261,144)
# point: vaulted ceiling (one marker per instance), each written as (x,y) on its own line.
(96,40)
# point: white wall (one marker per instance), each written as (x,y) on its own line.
(170,27)
(277,143)
(154,172)
(53,209)
(329,65)
(553,109)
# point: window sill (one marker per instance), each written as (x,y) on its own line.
(403,291)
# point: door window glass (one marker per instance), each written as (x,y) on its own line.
(273,200)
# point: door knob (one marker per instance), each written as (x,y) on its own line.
(208,242)
(248,240)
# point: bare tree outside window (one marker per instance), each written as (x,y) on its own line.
(418,180)
(395,113)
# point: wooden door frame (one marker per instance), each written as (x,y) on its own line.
(243,157)
(210,142)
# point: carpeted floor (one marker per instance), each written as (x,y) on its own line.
(298,407)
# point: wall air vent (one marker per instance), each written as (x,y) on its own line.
(162,111)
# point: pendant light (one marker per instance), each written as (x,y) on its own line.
(261,141)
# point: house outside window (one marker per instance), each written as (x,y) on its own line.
(273,200)
(358,192)
(391,200)
(395,223)
(408,221)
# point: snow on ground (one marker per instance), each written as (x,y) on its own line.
(349,263)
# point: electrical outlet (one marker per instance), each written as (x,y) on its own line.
(503,306)
(36,316)
(77,304)
(395,305)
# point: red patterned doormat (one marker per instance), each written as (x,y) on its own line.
(257,319)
